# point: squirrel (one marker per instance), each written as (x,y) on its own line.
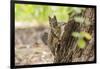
(53,37)
(55,33)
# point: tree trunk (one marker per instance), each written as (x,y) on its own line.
(67,49)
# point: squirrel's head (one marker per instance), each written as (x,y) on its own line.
(53,22)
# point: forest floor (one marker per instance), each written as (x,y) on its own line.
(29,48)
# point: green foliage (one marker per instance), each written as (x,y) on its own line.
(40,13)
(81,43)
(86,35)
(76,34)
(79,19)
(81,35)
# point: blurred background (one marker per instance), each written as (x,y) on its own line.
(31,22)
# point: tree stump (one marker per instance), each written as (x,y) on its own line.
(66,49)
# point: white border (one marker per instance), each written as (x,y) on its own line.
(5,34)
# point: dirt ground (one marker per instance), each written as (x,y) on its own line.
(29,47)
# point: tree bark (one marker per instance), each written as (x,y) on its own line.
(67,50)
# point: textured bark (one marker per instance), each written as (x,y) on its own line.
(67,50)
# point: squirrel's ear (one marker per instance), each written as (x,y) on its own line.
(49,17)
(55,17)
